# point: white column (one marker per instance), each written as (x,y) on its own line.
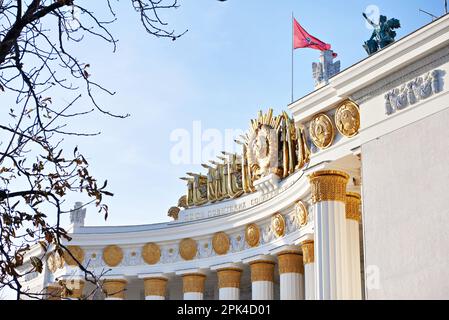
(291,274)
(329,197)
(229,283)
(193,286)
(353,217)
(309,269)
(155,287)
(262,279)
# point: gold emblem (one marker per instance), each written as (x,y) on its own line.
(77,252)
(188,249)
(301,213)
(221,243)
(54,262)
(322,131)
(278,225)
(151,253)
(252,235)
(112,255)
(347,119)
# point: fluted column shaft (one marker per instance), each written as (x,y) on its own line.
(229,283)
(353,216)
(262,279)
(155,288)
(309,269)
(193,286)
(291,274)
(329,198)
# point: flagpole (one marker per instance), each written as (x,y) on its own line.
(293,49)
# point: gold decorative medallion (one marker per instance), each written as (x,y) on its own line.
(347,119)
(252,235)
(301,213)
(54,262)
(188,249)
(278,225)
(322,131)
(77,252)
(112,255)
(221,243)
(151,253)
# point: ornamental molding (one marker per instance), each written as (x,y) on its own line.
(402,76)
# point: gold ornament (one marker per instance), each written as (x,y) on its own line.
(221,243)
(328,185)
(308,252)
(290,262)
(278,225)
(301,213)
(188,249)
(77,252)
(262,271)
(155,286)
(322,131)
(151,253)
(353,201)
(193,282)
(229,278)
(112,255)
(115,288)
(252,235)
(347,119)
(173,213)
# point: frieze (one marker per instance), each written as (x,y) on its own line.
(402,76)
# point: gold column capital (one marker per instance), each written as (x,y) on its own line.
(353,201)
(156,286)
(229,278)
(262,270)
(114,288)
(328,185)
(308,252)
(53,292)
(193,282)
(290,262)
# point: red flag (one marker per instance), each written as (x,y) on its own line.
(302,39)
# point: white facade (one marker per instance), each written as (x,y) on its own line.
(397,163)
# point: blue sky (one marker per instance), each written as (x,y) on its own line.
(234,60)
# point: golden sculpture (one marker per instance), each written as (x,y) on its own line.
(112,255)
(182,202)
(173,213)
(151,253)
(347,119)
(188,249)
(252,235)
(221,243)
(322,131)
(273,145)
(301,213)
(77,252)
(278,225)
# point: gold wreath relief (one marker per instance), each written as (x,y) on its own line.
(278,225)
(112,255)
(347,119)
(301,212)
(322,131)
(252,235)
(77,252)
(151,253)
(221,243)
(188,249)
